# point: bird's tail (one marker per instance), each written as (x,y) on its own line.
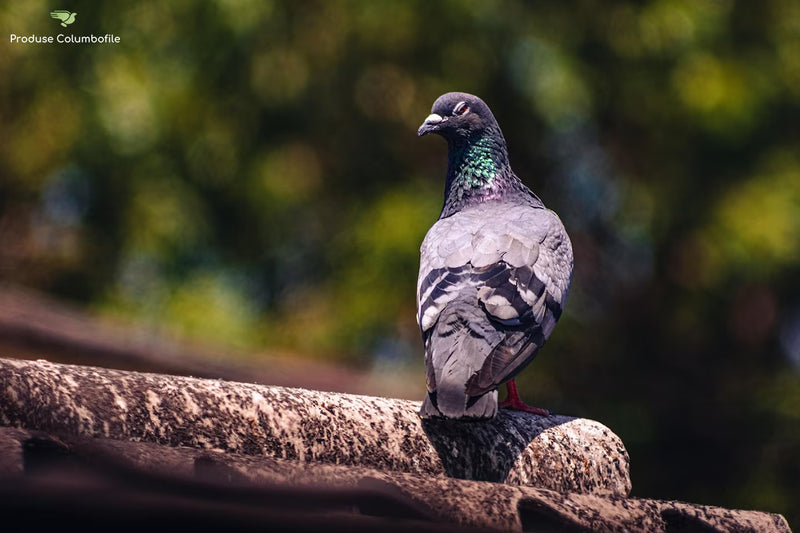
(454,353)
(479,407)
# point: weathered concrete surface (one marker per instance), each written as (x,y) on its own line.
(439,500)
(557,452)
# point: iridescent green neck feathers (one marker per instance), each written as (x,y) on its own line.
(476,164)
(477,171)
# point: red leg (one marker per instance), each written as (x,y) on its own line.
(513,401)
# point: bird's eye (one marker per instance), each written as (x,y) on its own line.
(461,108)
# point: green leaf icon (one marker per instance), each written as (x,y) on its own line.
(66,17)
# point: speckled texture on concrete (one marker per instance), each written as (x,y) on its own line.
(465,503)
(559,453)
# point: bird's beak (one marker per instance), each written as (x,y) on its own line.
(430,124)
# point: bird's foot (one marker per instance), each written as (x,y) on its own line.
(514,402)
(519,405)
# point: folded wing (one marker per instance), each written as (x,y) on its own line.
(493,281)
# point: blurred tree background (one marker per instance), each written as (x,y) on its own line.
(247,173)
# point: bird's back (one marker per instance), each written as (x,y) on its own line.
(493,279)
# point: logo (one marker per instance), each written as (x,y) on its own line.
(66,17)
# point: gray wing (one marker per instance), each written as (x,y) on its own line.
(515,264)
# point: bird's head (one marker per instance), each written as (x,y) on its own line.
(457,116)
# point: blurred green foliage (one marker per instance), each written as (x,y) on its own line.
(247,172)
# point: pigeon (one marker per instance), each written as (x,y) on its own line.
(495,270)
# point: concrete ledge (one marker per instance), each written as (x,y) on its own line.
(559,453)
(293,490)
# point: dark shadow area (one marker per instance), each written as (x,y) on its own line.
(485,455)
(69,487)
(42,454)
(541,519)
(679,522)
